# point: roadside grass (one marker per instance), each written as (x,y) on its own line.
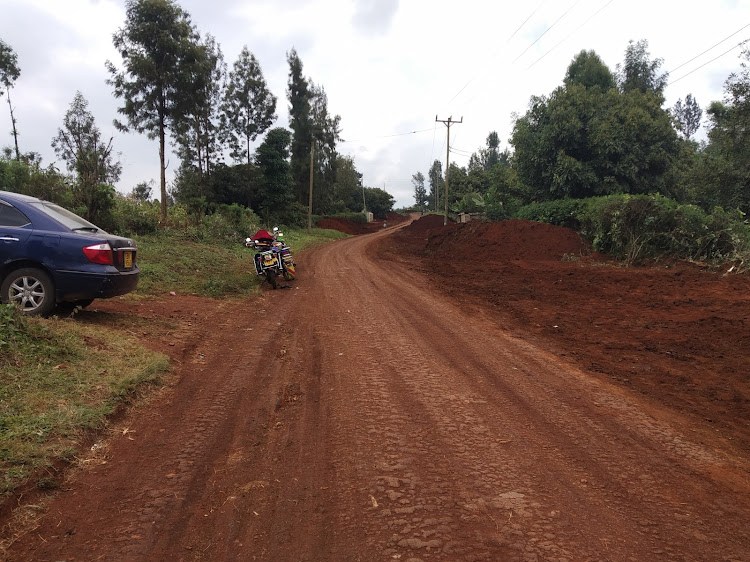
(168,263)
(60,379)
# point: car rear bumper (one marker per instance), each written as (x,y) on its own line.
(74,286)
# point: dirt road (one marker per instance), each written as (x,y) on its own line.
(361,415)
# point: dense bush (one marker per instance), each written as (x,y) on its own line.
(129,217)
(227,225)
(634,227)
(562,212)
(31,179)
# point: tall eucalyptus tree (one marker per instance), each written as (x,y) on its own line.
(248,106)
(9,73)
(159,48)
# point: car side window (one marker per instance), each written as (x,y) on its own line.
(10,216)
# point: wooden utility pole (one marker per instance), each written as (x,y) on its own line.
(309,205)
(448,124)
(364,201)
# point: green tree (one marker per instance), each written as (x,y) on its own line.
(197,123)
(639,72)
(488,157)
(687,116)
(723,177)
(158,46)
(580,142)
(300,121)
(79,143)
(420,191)
(9,73)
(437,184)
(379,202)
(236,184)
(347,192)
(248,107)
(588,70)
(28,177)
(326,130)
(276,188)
(141,193)
(458,183)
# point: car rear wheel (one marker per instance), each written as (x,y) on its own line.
(30,289)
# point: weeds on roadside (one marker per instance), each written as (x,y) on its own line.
(59,379)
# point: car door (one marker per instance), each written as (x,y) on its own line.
(15,229)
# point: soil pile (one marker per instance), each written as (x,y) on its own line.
(342,225)
(508,240)
(350,227)
(677,332)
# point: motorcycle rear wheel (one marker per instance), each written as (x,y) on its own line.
(271,278)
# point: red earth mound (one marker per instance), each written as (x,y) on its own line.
(508,240)
(342,225)
(350,227)
(678,333)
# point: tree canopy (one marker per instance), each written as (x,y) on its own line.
(688,116)
(9,70)
(248,106)
(9,73)
(583,140)
(80,145)
(588,70)
(160,48)
(639,72)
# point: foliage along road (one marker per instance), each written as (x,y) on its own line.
(363,415)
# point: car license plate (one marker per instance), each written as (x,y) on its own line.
(127,260)
(270,260)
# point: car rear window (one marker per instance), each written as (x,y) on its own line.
(10,216)
(67,218)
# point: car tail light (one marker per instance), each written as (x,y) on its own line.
(99,253)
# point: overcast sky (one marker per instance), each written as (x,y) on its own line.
(389,67)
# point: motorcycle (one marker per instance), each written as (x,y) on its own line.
(273,257)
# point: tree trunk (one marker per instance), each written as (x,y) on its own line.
(13,122)
(163,214)
(202,176)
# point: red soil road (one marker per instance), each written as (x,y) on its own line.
(398,405)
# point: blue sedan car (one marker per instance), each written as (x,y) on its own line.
(50,256)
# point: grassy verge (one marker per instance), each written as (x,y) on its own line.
(171,263)
(58,380)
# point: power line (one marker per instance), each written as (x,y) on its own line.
(570,34)
(526,20)
(546,30)
(387,136)
(709,62)
(460,151)
(710,48)
(495,54)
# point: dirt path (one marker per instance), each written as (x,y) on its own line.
(362,416)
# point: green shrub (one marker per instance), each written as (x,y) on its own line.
(129,217)
(629,227)
(562,212)
(636,227)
